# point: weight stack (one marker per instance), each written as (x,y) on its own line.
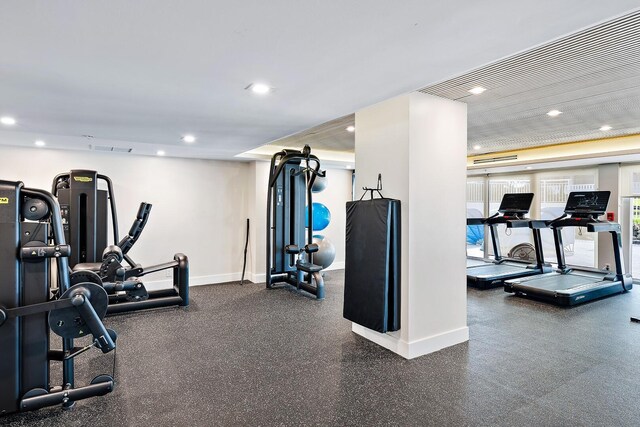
(372,264)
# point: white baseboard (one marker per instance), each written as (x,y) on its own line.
(153,285)
(413,349)
(258,278)
(262,277)
(194,281)
(335,266)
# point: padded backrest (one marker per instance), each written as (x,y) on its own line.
(127,242)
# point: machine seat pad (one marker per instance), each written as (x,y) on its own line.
(91,266)
(307,267)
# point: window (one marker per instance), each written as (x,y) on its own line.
(475,209)
(630,186)
(553,192)
(510,238)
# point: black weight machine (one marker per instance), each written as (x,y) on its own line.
(85,210)
(290,247)
(31,242)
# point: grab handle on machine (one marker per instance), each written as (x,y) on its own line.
(103,339)
(41,250)
(292,249)
(311,248)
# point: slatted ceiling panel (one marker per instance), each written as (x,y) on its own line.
(592,76)
(593,44)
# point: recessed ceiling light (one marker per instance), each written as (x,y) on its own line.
(554,113)
(40,143)
(350,128)
(528,167)
(160,153)
(605,128)
(477,90)
(189,139)
(259,88)
(9,121)
(349,166)
(476,147)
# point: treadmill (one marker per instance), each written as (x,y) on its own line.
(569,285)
(492,273)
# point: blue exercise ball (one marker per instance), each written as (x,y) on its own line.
(321,216)
(475,234)
(326,251)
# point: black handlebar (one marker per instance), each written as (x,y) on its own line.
(285,156)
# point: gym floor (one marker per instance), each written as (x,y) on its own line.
(243,355)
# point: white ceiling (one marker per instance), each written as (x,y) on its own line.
(141,73)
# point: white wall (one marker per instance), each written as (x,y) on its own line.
(258,215)
(199,206)
(609,179)
(335,197)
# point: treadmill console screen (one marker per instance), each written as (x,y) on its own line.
(516,203)
(590,202)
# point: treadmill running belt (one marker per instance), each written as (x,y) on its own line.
(496,270)
(560,282)
(472,262)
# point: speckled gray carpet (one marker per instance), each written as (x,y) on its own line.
(244,355)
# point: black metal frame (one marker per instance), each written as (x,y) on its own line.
(25,257)
(291,177)
(88,238)
(512,213)
(178,294)
(87,182)
(586,217)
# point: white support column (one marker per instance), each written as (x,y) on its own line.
(418,143)
(608,180)
(626,223)
(257,208)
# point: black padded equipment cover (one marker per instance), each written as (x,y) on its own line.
(372,264)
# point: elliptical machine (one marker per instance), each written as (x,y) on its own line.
(30,306)
(290,247)
(85,210)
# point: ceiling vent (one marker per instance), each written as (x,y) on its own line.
(495,159)
(110,149)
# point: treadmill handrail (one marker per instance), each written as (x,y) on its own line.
(604,227)
(503,219)
(538,224)
(573,221)
(518,223)
(476,221)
